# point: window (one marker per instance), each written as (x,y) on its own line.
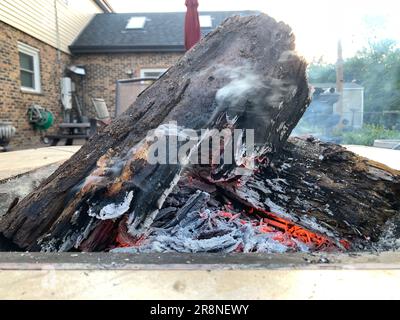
(152,73)
(136,23)
(205,21)
(29,66)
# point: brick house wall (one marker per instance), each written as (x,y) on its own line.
(14,102)
(103,70)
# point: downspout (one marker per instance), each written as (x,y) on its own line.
(59,69)
(58,43)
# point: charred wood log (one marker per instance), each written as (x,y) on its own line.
(315,196)
(245,72)
(325,188)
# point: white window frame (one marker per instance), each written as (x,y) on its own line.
(160,70)
(136,23)
(35,54)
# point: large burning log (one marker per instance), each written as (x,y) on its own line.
(244,75)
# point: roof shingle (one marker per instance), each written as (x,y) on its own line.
(163,32)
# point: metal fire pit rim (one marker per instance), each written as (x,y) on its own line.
(199,261)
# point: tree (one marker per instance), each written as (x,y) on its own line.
(377,68)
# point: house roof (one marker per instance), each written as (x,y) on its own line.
(163,32)
(346,85)
(104,5)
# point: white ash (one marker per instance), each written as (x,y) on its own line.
(113,210)
(49,246)
(390,239)
(206,231)
(276,208)
(275,184)
(85,233)
(285,166)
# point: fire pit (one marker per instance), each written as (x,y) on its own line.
(202,163)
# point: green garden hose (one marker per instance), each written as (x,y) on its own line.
(40,118)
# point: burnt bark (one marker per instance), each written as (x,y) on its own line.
(246,68)
(350,197)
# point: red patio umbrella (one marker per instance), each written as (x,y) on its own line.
(192,24)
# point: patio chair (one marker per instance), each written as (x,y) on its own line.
(102,114)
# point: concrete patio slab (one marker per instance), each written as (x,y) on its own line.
(389,157)
(18,162)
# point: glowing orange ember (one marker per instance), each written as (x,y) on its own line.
(124,239)
(286,231)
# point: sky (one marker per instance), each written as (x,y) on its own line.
(317,24)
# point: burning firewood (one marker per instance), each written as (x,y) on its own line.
(318,197)
(245,79)
(245,72)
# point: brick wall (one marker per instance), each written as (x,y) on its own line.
(13,102)
(103,70)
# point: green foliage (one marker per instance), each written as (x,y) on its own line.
(368,134)
(321,72)
(377,69)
